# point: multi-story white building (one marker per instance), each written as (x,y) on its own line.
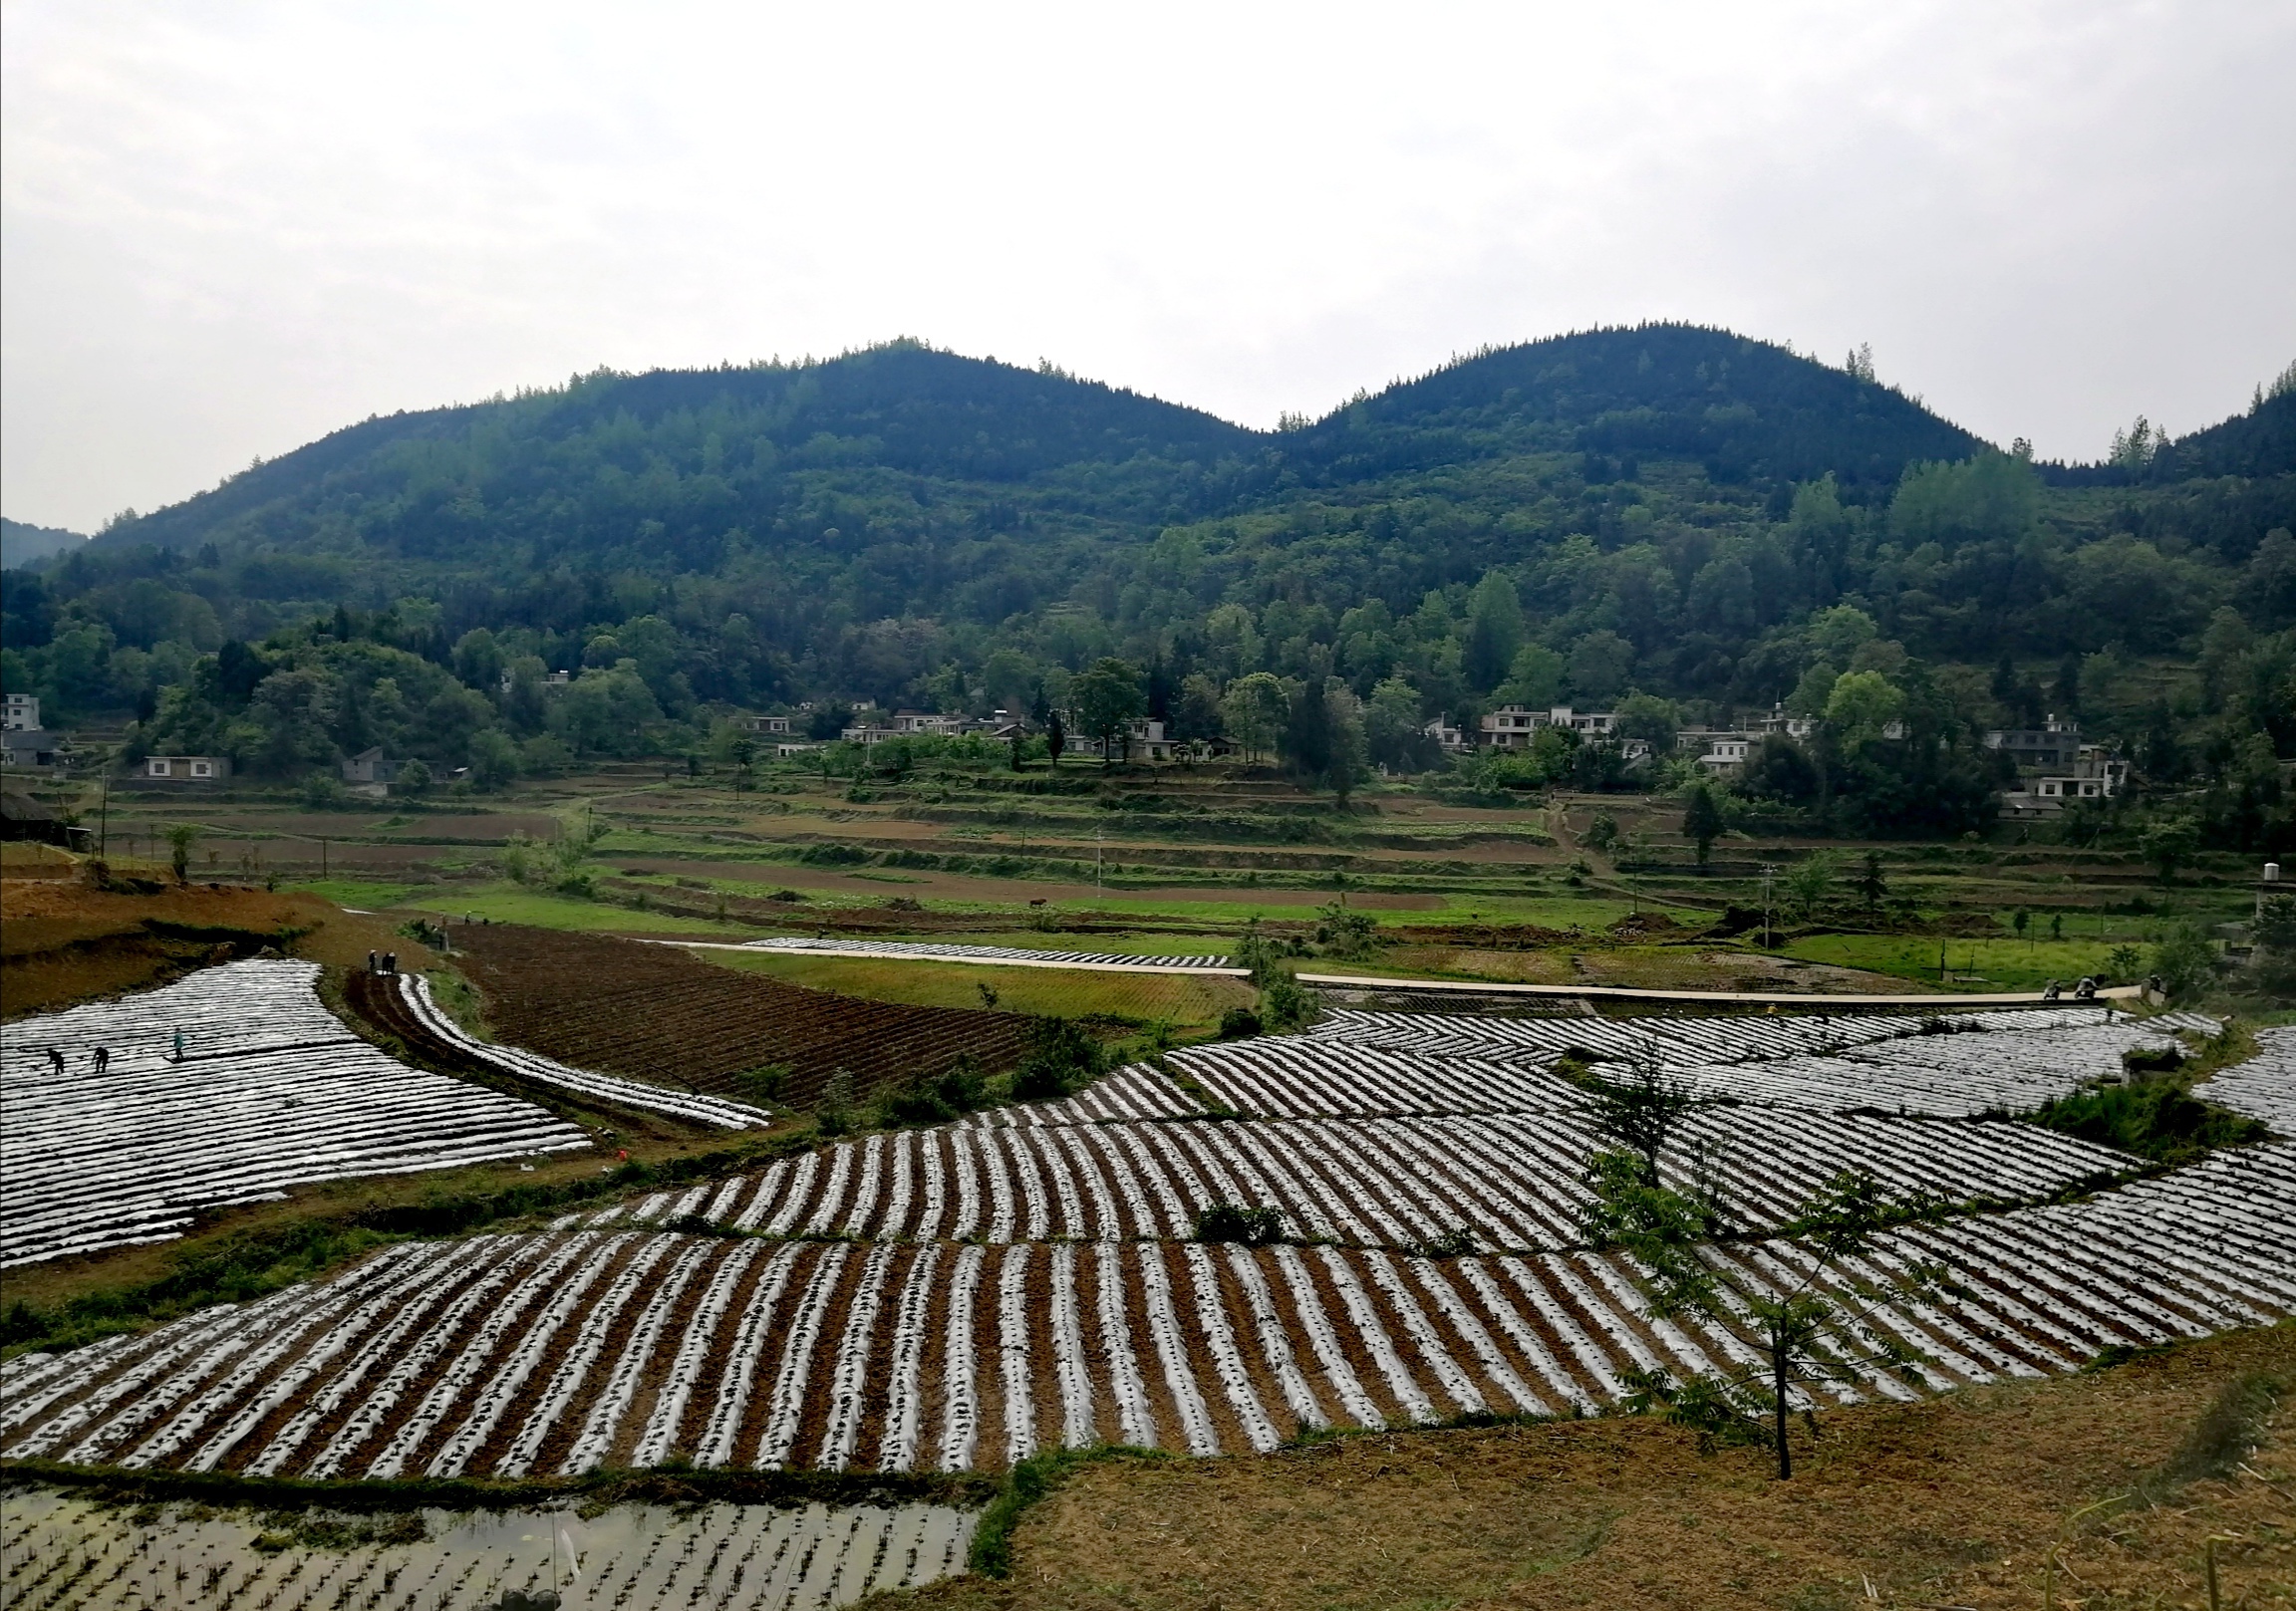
(22,714)
(1511,726)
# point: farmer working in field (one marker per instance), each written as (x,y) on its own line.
(103,1058)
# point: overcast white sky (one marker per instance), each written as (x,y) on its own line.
(227,229)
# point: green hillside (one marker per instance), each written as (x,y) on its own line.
(1711,522)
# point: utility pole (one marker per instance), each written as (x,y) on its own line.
(1099,889)
(104,820)
(1767,871)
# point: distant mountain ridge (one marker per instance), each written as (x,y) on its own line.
(1744,409)
(1746,412)
(21,544)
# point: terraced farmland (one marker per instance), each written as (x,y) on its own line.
(961,1298)
(654,1013)
(270,1091)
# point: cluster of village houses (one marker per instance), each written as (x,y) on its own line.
(2053,766)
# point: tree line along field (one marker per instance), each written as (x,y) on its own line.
(655,1013)
(965,1297)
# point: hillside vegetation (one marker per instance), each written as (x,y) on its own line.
(1681,519)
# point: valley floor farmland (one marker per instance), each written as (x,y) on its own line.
(963,1298)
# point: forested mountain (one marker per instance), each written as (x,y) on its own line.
(1705,519)
(21,544)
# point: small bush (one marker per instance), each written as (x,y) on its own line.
(762,1085)
(834,1113)
(1456,1242)
(1061,1058)
(1238,1023)
(1286,1003)
(936,1099)
(2158,1122)
(2152,1059)
(1227,1221)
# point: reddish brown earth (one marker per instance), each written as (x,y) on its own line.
(653,1012)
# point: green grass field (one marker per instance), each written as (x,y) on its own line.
(1998,964)
(355,891)
(511,903)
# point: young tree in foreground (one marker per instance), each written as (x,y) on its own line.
(1808,882)
(180,838)
(1642,1112)
(1817,1321)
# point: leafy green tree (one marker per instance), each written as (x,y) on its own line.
(1807,884)
(1653,721)
(1534,680)
(493,759)
(1814,1322)
(2185,959)
(1861,705)
(2275,928)
(1602,833)
(1107,698)
(1779,769)
(1196,714)
(1307,746)
(1494,630)
(1345,932)
(1600,663)
(1346,761)
(1701,820)
(1394,735)
(2170,844)
(1256,709)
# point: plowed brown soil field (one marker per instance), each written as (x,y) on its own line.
(653,1012)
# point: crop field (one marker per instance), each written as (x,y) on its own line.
(60,1549)
(655,1013)
(1511,1180)
(2265,1085)
(270,1091)
(425,1015)
(965,1297)
(1947,1066)
(560,1352)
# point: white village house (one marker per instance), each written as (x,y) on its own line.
(188,768)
